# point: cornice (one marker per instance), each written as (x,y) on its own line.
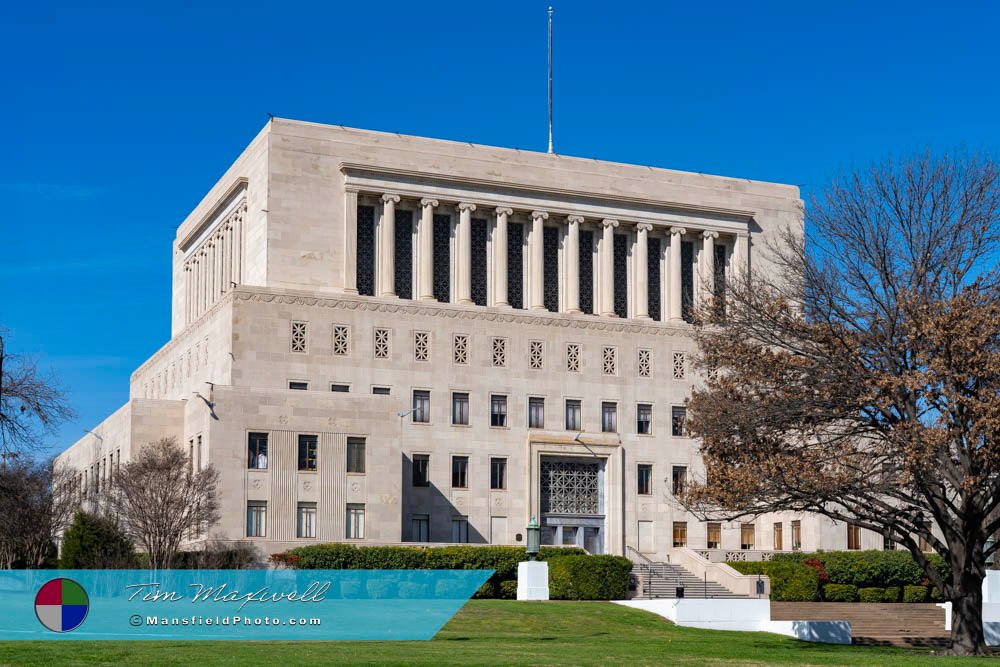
(238,187)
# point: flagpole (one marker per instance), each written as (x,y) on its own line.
(550,81)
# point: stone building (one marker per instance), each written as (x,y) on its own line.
(384,339)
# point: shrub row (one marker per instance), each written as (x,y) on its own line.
(866,569)
(589,577)
(790,582)
(851,593)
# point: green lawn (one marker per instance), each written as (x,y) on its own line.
(494,632)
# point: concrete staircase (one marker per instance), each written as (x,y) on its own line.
(661,580)
(874,624)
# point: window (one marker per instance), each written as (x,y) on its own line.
(536,354)
(853,536)
(677,477)
(678,417)
(747,536)
(340,388)
(383,348)
(420,528)
(298,385)
(499,352)
(460,409)
(356,455)
(536,412)
(308,445)
(421,346)
(644,419)
(925,546)
(644,479)
(573,357)
(498,410)
(779,543)
(609,357)
(887,543)
(679,365)
(421,406)
(680,534)
(341,339)
(299,337)
(305,525)
(796,535)
(609,417)
(572,415)
(257,451)
(460,472)
(460,349)
(645,365)
(460,530)
(355,524)
(498,474)
(714,539)
(380,391)
(421,472)
(257,518)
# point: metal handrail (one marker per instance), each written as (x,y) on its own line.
(651,568)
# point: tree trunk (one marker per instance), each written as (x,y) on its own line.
(967,636)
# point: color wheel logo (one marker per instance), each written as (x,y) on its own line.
(61,605)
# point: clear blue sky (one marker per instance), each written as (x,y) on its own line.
(118,117)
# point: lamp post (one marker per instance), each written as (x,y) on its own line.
(534,539)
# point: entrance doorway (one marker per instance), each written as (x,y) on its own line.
(572,502)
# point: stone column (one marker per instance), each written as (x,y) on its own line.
(238,247)
(203,281)
(224,256)
(187,293)
(676,313)
(708,266)
(642,270)
(538,219)
(741,257)
(464,268)
(500,257)
(425,244)
(350,243)
(608,268)
(573,264)
(387,247)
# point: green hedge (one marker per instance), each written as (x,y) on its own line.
(840,592)
(891,594)
(914,593)
(871,594)
(866,569)
(790,582)
(589,577)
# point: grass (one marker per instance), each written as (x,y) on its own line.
(495,632)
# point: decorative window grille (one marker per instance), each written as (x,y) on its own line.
(550,272)
(383,346)
(299,337)
(421,346)
(403,248)
(645,365)
(341,339)
(366,251)
(570,487)
(587,272)
(679,363)
(461,349)
(621,275)
(653,271)
(609,358)
(499,352)
(720,282)
(515,265)
(442,258)
(478,268)
(573,357)
(536,354)
(687,280)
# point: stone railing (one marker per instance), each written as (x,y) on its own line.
(736,555)
(720,573)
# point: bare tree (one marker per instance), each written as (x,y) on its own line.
(160,500)
(36,503)
(861,379)
(32,404)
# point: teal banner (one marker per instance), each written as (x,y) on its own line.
(232,604)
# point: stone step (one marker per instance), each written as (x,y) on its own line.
(898,624)
(661,580)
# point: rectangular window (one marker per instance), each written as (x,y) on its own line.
(853,536)
(460,530)
(381,391)
(420,528)
(340,388)
(257,518)
(421,470)
(421,406)
(747,536)
(536,413)
(305,525)
(308,445)
(572,415)
(644,419)
(298,385)
(609,417)
(678,417)
(925,546)
(678,476)
(887,543)
(382,343)
(714,536)
(644,479)
(355,524)
(498,410)
(356,455)
(460,409)
(341,339)
(421,346)
(460,472)
(257,451)
(796,535)
(365,254)
(779,543)
(498,474)
(299,337)
(536,354)
(680,534)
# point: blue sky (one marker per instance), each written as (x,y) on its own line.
(119,117)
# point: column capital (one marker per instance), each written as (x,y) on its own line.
(578,219)
(389,197)
(708,234)
(466,206)
(429,202)
(539,214)
(609,222)
(504,210)
(742,235)
(644,227)
(678,231)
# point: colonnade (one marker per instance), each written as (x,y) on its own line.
(215,266)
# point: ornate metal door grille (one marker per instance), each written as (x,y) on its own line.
(478,269)
(570,487)
(621,275)
(404,254)
(366,251)
(515,266)
(442,258)
(550,239)
(587,272)
(653,264)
